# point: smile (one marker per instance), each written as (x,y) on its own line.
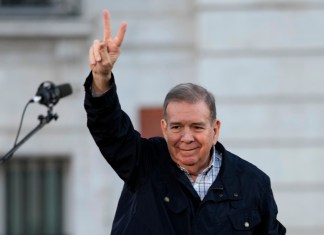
(187,150)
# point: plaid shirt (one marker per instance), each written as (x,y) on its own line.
(206,178)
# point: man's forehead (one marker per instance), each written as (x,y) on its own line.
(187,111)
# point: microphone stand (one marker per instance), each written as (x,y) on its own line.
(43,120)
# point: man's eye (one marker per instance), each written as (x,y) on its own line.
(175,127)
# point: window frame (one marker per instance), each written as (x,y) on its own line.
(57,163)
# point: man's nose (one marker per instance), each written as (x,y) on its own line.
(187,136)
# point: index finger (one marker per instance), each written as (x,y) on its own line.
(106,23)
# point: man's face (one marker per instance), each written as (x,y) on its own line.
(190,134)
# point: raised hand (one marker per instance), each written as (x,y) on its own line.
(104,53)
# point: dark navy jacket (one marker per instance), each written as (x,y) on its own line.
(158,198)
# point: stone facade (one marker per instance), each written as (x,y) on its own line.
(263,60)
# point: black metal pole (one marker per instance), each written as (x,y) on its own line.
(43,121)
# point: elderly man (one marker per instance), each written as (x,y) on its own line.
(185,183)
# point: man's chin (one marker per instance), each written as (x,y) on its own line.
(188,161)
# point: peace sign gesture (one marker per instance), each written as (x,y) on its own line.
(104,53)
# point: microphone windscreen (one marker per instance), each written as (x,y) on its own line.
(65,90)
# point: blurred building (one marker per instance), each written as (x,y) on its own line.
(263,60)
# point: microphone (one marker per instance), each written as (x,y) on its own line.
(49,94)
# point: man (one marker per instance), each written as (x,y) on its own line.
(185,183)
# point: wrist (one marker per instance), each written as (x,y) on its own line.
(101,83)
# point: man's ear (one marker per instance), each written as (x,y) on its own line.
(164,127)
(216,127)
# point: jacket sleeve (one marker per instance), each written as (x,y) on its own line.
(112,131)
(269,225)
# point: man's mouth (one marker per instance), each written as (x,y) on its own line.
(188,150)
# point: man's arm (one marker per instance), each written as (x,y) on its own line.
(110,127)
(113,132)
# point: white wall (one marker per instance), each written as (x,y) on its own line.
(262,60)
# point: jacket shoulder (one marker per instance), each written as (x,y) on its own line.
(246,169)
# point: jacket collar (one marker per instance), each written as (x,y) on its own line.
(227,185)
